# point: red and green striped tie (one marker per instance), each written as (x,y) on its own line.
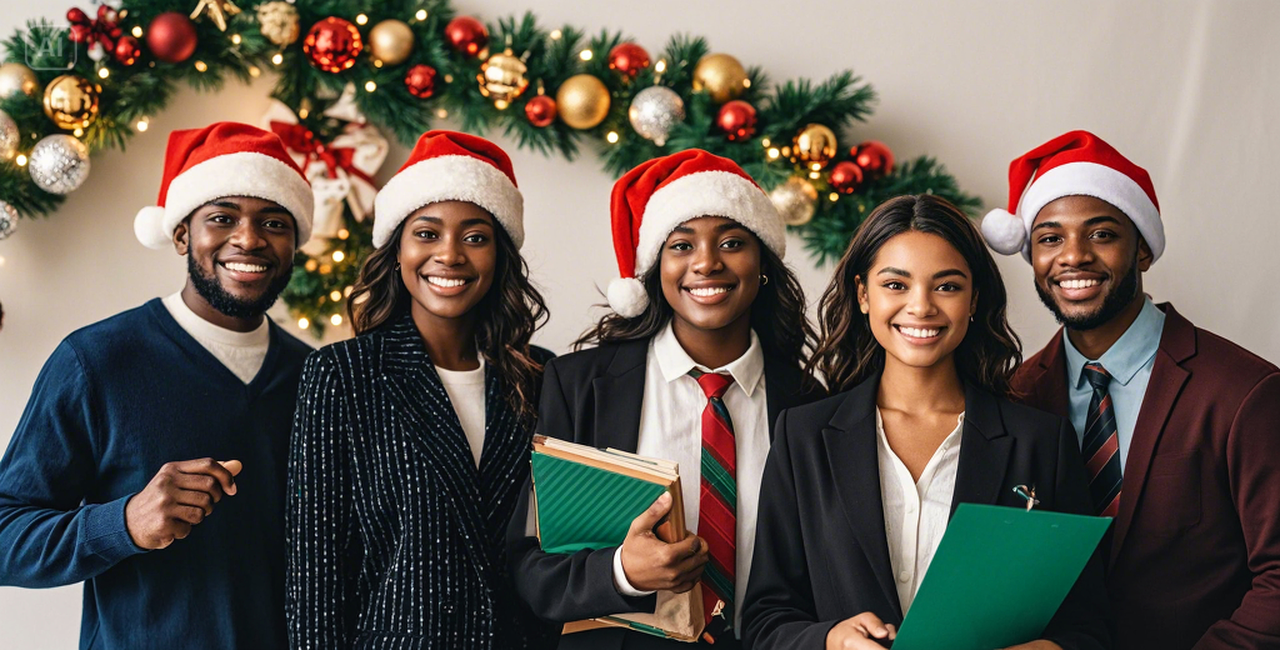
(718,502)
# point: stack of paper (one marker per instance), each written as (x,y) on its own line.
(586,498)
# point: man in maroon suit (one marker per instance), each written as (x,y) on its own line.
(1179,428)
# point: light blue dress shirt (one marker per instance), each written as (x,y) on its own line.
(1129,362)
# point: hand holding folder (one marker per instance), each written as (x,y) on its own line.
(587,498)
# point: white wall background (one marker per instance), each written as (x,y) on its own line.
(1190,90)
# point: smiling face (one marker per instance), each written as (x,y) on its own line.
(710,269)
(1087,256)
(448,258)
(239,257)
(918,296)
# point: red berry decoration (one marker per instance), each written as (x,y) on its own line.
(467,35)
(171,37)
(845,177)
(541,111)
(333,44)
(421,81)
(628,59)
(127,50)
(874,158)
(737,119)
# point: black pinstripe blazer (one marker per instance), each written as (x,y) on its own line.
(395,539)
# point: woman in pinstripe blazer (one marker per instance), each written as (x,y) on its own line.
(410,442)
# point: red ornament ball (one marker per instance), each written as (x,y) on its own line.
(421,81)
(845,177)
(541,111)
(333,44)
(127,50)
(628,59)
(874,158)
(737,119)
(171,37)
(467,35)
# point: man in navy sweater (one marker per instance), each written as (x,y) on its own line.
(150,460)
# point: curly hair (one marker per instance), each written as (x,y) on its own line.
(847,351)
(777,315)
(509,313)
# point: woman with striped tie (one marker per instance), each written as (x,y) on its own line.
(859,487)
(410,442)
(704,347)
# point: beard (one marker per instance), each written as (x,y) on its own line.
(225,303)
(1112,304)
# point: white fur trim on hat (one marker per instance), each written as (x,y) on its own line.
(1004,232)
(244,173)
(448,178)
(707,194)
(1100,182)
(627,297)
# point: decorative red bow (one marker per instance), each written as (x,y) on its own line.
(103,30)
(300,139)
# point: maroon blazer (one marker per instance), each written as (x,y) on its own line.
(1195,548)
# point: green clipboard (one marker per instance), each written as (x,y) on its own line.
(998,577)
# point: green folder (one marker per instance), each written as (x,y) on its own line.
(583,507)
(998,577)
(586,498)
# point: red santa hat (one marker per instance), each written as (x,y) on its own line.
(1078,163)
(451,166)
(650,201)
(223,159)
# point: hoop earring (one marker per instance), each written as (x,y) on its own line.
(764,280)
(397,266)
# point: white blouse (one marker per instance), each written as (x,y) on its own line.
(916,512)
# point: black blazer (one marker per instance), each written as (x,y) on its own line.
(821,554)
(395,539)
(594,397)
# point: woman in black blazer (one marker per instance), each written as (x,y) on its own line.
(705,289)
(410,442)
(859,486)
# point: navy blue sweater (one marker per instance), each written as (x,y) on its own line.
(114,402)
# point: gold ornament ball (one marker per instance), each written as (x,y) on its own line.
(815,145)
(582,101)
(392,41)
(279,22)
(17,78)
(720,76)
(71,102)
(502,79)
(795,200)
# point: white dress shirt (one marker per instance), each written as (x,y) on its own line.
(916,512)
(241,352)
(466,393)
(671,428)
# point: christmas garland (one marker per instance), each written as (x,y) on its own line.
(67,93)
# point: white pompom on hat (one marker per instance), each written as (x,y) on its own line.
(1078,163)
(451,166)
(220,160)
(650,201)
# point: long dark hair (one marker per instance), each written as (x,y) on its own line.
(508,314)
(847,353)
(777,315)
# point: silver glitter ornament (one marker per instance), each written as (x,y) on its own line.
(8,220)
(795,200)
(9,136)
(59,163)
(654,111)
